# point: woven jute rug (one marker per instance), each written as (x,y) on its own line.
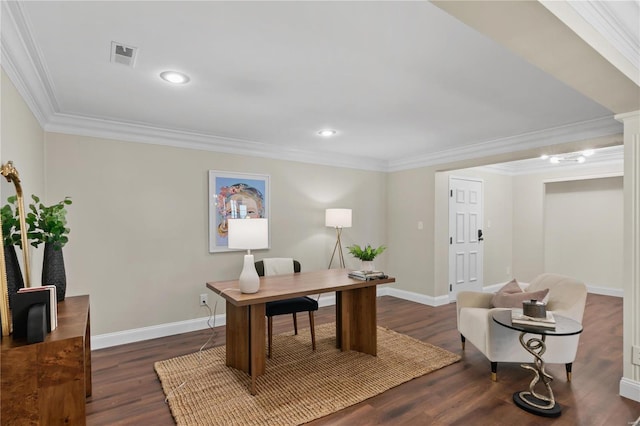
(299,384)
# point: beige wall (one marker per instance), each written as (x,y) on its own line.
(528,214)
(138,242)
(514,244)
(22,141)
(411,255)
(583,230)
(421,195)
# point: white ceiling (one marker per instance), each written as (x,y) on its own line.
(403,83)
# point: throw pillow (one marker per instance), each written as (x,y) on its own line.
(512,296)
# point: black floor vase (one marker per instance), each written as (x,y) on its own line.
(14,275)
(53,270)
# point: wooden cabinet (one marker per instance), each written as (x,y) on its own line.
(47,383)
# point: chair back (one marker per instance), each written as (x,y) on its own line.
(567,296)
(260,267)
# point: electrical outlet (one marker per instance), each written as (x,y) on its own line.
(203,299)
(635,355)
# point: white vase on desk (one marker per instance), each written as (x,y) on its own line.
(367,265)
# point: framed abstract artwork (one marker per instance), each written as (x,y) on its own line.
(234,195)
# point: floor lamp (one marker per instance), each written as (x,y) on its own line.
(338,218)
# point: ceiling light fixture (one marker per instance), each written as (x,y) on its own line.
(327,133)
(573,157)
(174,77)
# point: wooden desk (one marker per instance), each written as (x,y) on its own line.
(47,383)
(245,336)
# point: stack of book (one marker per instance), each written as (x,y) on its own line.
(33,295)
(367,275)
(517,317)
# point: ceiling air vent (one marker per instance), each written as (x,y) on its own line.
(123,54)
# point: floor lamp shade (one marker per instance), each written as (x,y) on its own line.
(249,234)
(338,218)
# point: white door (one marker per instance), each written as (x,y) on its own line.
(465,235)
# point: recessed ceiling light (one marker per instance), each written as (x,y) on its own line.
(327,132)
(544,156)
(588,152)
(174,77)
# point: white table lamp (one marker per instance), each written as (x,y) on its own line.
(249,234)
(338,218)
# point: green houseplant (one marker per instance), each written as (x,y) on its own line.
(10,223)
(48,225)
(366,254)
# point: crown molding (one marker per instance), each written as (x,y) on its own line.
(141,133)
(22,62)
(605,17)
(598,127)
(527,167)
(609,27)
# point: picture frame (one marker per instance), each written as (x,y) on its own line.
(235,195)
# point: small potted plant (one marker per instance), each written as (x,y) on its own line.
(48,225)
(366,255)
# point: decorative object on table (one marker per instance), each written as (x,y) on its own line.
(534,309)
(234,196)
(11,238)
(367,275)
(48,225)
(52,308)
(11,174)
(366,255)
(338,219)
(26,319)
(248,234)
(547,321)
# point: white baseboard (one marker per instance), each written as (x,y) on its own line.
(102,341)
(630,389)
(414,297)
(108,340)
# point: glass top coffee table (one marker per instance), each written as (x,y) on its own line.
(532,401)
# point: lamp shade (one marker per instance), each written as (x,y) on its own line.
(338,218)
(248,234)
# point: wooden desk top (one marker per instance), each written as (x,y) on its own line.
(277,287)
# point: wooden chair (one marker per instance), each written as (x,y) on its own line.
(289,306)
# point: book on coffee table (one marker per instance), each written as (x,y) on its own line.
(517,317)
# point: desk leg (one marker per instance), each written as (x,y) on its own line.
(237,332)
(356,320)
(531,401)
(257,352)
(245,338)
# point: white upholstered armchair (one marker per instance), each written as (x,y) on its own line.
(567,297)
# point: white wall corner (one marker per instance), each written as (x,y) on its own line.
(630,389)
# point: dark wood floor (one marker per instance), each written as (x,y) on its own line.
(126,390)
